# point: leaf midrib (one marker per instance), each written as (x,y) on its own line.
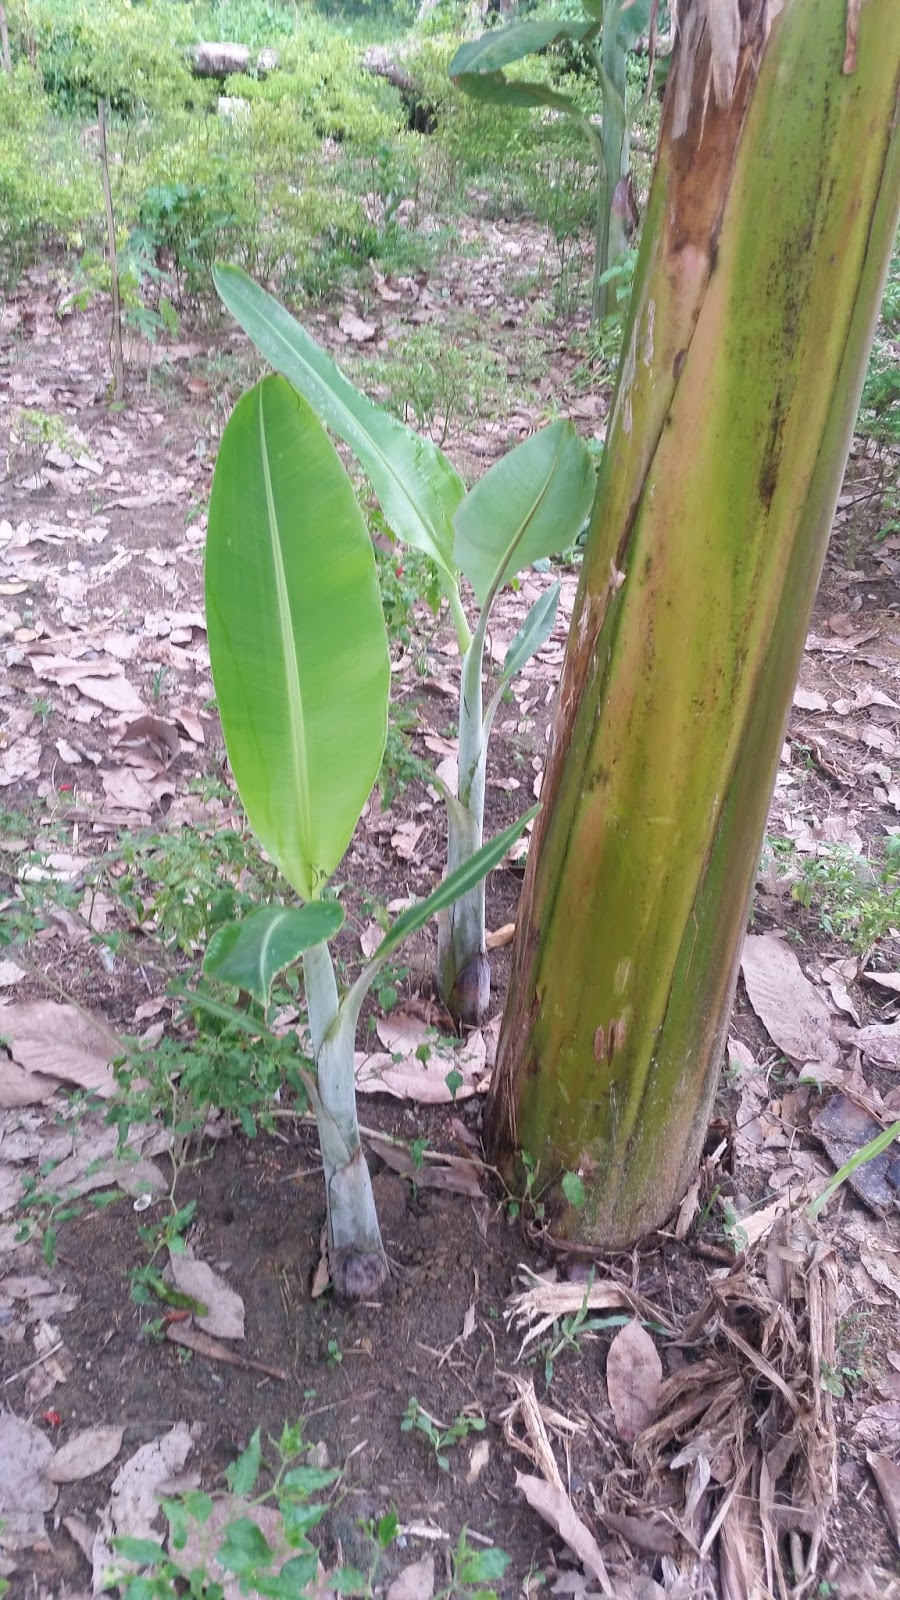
(296,717)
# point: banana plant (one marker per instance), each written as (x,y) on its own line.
(528,506)
(301,669)
(610,28)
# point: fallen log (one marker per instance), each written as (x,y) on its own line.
(421,114)
(222,60)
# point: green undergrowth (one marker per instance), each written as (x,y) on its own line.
(290,184)
(854,898)
(269,1535)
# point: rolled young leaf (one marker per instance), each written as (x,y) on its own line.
(464,878)
(417,487)
(251,953)
(534,632)
(297,639)
(531,504)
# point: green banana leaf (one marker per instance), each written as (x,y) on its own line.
(502,46)
(252,952)
(296,632)
(529,505)
(417,487)
(498,90)
(453,887)
(534,632)
(632,17)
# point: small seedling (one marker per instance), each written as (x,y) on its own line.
(300,663)
(526,508)
(440,1436)
(238,1546)
(569,1331)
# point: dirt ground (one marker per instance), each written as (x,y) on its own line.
(105,730)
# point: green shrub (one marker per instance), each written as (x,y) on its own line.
(49,178)
(879,415)
(130,55)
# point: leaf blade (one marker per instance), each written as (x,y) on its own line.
(501,47)
(529,505)
(297,639)
(464,878)
(534,632)
(417,487)
(252,952)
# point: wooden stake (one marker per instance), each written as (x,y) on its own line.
(5,57)
(115,338)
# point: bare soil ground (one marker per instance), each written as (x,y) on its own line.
(106,733)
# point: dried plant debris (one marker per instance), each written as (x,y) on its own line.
(748,1423)
(729,1484)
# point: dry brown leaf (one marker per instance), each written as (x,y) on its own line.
(809,700)
(190,722)
(126,791)
(882,1271)
(356,328)
(421,1076)
(454,1174)
(26,1492)
(20,762)
(154,736)
(117,694)
(887,1476)
(54,1364)
(134,1509)
(87,1452)
(405,838)
(224,1315)
(885,980)
(794,1013)
(879,1425)
(554,1505)
(648,1532)
(633,1379)
(52,1043)
(415,1582)
(880,1043)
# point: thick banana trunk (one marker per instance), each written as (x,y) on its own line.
(770,224)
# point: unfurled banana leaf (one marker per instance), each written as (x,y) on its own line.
(251,953)
(296,633)
(417,487)
(529,505)
(502,46)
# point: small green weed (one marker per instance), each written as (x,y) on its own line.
(854,899)
(43,1213)
(435,383)
(568,1332)
(224,1531)
(440,1436)
(400,765)
(851,1358)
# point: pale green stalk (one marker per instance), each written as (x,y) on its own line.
(356,1254)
